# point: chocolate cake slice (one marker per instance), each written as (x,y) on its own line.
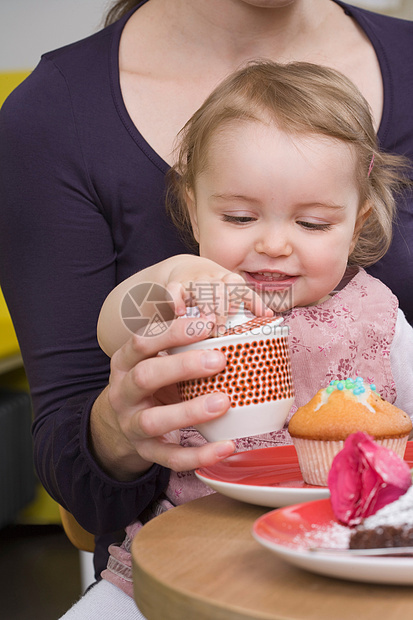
(391,526)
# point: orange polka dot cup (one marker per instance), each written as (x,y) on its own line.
(257,378)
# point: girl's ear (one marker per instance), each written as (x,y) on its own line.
(363,215)
(191,206)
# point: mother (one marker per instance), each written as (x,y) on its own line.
(85,144)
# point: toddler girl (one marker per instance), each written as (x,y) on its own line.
(281,183)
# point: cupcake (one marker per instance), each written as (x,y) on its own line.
(319,428)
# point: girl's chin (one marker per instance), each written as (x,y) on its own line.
(279,301)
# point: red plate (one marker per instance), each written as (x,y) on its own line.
(276,466)
(290,531)
(267,477)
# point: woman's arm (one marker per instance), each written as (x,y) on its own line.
(57,265)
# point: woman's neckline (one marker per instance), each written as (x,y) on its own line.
(146,147)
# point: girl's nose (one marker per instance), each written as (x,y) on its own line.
(274,242)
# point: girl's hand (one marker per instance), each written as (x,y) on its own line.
(187,281)
(216,291)
(135,421)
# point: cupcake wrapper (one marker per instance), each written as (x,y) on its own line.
(315,457)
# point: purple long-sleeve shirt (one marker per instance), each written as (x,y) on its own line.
(82,208)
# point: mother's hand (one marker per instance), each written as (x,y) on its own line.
(133,421)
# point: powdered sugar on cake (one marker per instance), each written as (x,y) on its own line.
(396,514)
(334,536)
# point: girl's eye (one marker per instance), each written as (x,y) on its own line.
(313,226)
(238,219)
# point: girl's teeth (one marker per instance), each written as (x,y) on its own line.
(267,275)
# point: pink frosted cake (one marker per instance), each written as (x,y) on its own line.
(364,477)
(371,490)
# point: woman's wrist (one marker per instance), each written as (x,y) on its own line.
(111,451)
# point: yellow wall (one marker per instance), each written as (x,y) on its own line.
(8,341)
(8,82)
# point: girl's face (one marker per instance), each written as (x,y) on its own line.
(280,210)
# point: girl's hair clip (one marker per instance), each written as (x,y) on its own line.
(371,166)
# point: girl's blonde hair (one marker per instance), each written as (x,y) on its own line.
(299,98)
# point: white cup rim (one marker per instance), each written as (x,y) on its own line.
(281,331)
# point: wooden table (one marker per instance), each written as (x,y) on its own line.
(200,562)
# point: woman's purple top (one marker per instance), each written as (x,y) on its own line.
(82,208)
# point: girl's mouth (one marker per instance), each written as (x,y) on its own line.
(269,280)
